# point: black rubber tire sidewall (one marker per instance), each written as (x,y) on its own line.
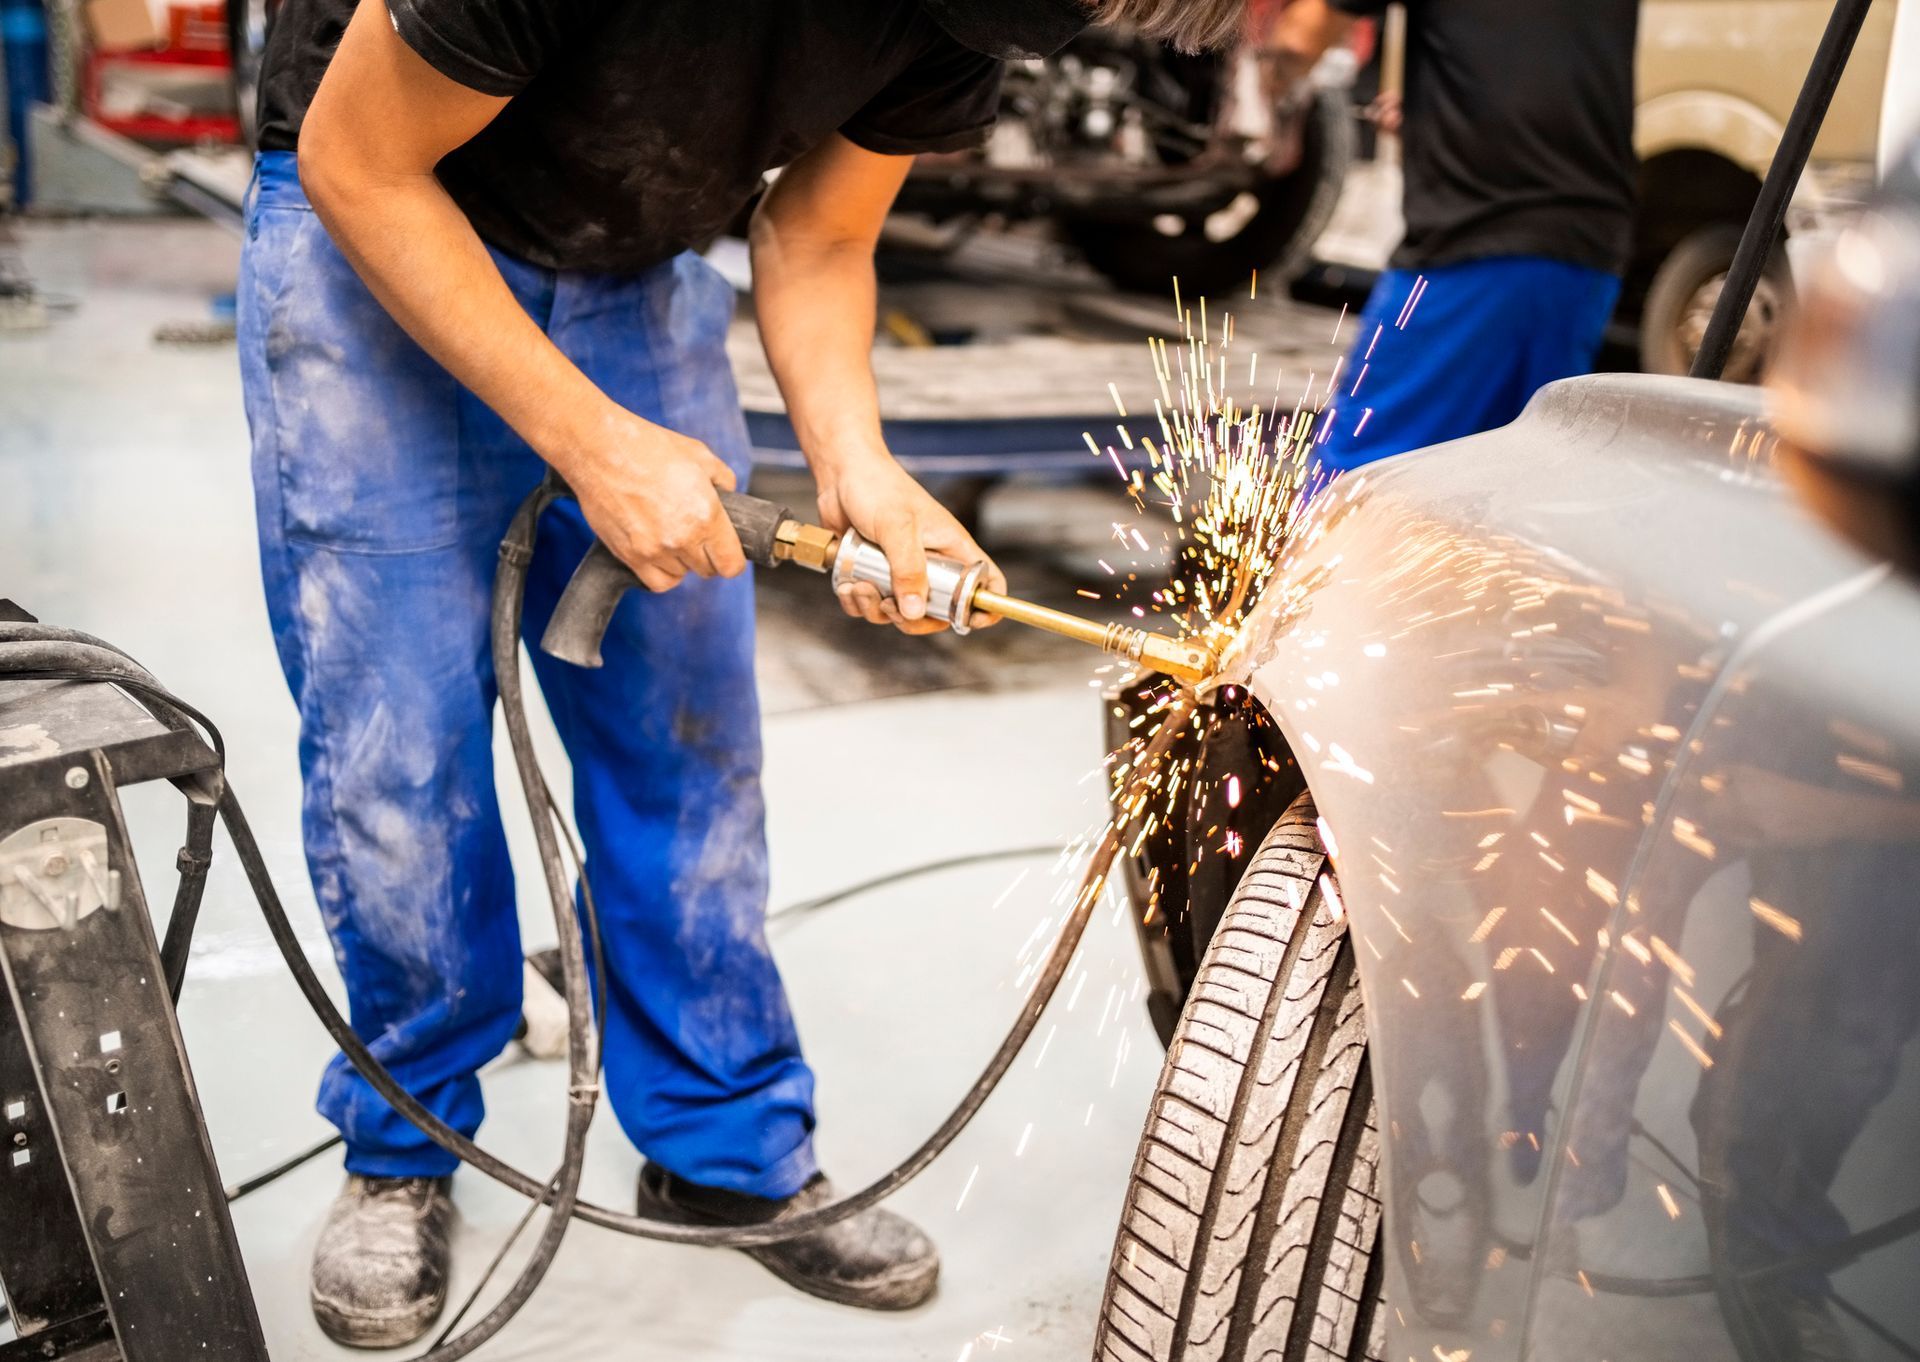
(1700,256)
(1277,241)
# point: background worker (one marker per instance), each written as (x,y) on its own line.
(479,266)
(1516,129)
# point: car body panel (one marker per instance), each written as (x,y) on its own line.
(1493,660)
(1753,54)
(1747,1098)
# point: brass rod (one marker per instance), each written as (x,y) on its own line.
(1041,617)
(1182,660)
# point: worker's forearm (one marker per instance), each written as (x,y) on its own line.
(422,259)
(815,302)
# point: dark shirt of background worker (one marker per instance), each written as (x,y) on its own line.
(1517,145)
(470,256)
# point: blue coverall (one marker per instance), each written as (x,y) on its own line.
(1458,349)
(383,489)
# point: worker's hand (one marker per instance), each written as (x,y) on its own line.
(879,499)
(648,492)
(1385,112)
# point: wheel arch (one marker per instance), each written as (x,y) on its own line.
(1682,188)
(1709,122)
(1180,876)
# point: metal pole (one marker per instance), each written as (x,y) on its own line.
(1770,209)
(64,52)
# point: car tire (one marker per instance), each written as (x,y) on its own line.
(1680,298)
(1273,234)
(1251,1226)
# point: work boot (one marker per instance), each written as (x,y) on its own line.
(380,1268)
(875,1260)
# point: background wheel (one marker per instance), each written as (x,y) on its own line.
(1271,229)
(1680,300)
(1252,1217)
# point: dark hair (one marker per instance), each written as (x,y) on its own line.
(1187,24)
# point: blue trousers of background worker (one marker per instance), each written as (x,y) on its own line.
(383,489)
(1459,349)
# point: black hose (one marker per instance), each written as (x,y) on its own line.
(34,651)
(1770,209)
(269,1176)
(516,552)
(913,872)
(266,1177)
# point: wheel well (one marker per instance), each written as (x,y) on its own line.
(1681,191)
(1241,776)
(1227,823)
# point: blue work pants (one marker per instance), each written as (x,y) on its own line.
(1458,349)
(383,488)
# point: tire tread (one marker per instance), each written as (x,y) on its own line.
(1217,1259)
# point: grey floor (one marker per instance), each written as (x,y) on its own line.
(125,510)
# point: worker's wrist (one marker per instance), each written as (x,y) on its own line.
(835,455)
(583,436)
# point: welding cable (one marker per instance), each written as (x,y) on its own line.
(268,1176)
(103,663)
(92,661)
(100,662)
(714,1236)
(914,872)
(57,659)
(516,553)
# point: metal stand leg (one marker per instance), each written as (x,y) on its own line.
(87,986)
(43,1254)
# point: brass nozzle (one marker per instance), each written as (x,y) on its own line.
(1184,661)
(808,545)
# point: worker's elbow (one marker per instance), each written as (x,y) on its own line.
(763,229)
(334,168)
(777,241)
(324,167)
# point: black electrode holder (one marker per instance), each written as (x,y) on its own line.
(117,1240)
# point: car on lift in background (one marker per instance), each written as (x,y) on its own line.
(1156,164)
(1536,937)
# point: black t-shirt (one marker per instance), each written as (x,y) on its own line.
(638,128)
(1518,133)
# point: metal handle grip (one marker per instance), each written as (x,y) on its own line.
(586,607)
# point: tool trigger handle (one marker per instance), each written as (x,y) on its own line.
(586,607)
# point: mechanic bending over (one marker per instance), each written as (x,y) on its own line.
(1517,148)
(479,265)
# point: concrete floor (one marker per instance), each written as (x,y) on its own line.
(127,513)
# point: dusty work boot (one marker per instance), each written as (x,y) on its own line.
(875,1260)
(380,1268)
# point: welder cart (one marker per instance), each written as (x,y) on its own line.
(115,1240)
